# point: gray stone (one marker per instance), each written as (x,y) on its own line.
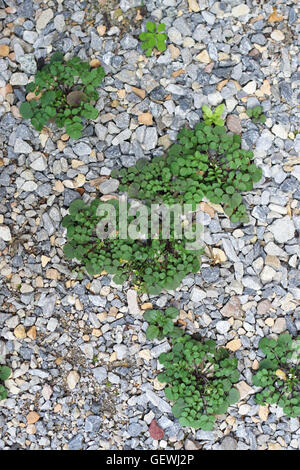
(205,435)
(229,250)
(210,274)
(134,429)
(82,149)
(28,64)
(38,162)
(283,229)
(69,196)
(228,443)
(100,374)
(222,327)
(76,442)
(125,5)
(251,282)
(128,42)
(18,79)
(109,186)
(160,348)
(151,138)
(286,91)
(5,233)
(161,404)
(22,147)
(92,423)
(197,295)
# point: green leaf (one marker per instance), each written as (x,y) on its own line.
(172,312)
(268,364)
(5,373)
(207,111)
(69,251)
(161,44)
(26,110)
(150,26)
(152,332)
(161,27)
(76,205)
(233,396)
(219,110)
(178,407)
(57,57)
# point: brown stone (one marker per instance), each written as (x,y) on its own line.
(178,72)
(146,306)
(233,308)
(101,30)
(174,51)
(244,389)
(31,333)
(234,124)
(19,332)
(4,50)
(32,417)
(95,63)
(139,92)
(52,274)
(272,261)
(6,90)
(263,412)
(234,345)
(146,118)
(264,307)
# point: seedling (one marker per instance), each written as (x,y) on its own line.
(152,265)
(5,373)
(213,117)
(256,114)
(161,324)
(63,93)
(199,378)
(153,37)
(206,161)
(279,374)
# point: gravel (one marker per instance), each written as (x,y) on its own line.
(77,347)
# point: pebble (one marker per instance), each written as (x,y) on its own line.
(240,10)
(5,233)
(283,229)
(18,79)
(44,18)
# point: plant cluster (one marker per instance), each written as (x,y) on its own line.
(256,114)
(162,324)
(206,162)
(213,117)
(5,373)
(150,264)
(64,92)
(279,374)
(199,378)
(153,37)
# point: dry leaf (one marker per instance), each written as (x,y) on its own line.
(273,18)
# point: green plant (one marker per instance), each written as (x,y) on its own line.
(153,37)
(199,378)
(5,373)
(150,264)
(211,117)
(256,114)
(206,162)
(279,374)
(64,92)
(161,324)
